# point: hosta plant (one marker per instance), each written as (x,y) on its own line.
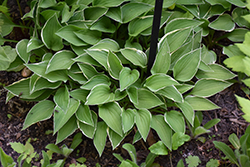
(90,70)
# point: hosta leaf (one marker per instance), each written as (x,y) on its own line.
(111,114)
(114,65)
(175,120)
(107,3)
(132,10)
(115,138)
(128,119)
(223,23)
(227,151)
(182,88)
(172,93)
(87,129)
(218,72)
(240,16)
(96,80)
(239,64)
(62,99)
(106,44)
(49,37)
(86,58)
(158,148)
(60,118)
(187,66)
(163,130)
(244,103)
(39,83)
(234,140)
(68,34)
(6,160)
(127,77)
(41,111)
(159,81)
(162,60)
(115,14)
(224,3)
(208,56)
(47,3)
(133,94)
(79,94)
(147,99)
(187,111)
(104,25)
(140,24)
(34,43)
(6,25)
(94,13)
(89,36)
(100,137)
(84,115)
(130,44)
(119,95)
(200,103)
(131,150)
(137,57)
(190,2)
(88,70)
(61,60)
(237,35)
(100,94)
(7,56)
(100,56)
(211,123)
(66,130)
(142,119)
(209,87)
(21,49)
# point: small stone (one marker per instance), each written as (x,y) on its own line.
(26,72)
(18,135)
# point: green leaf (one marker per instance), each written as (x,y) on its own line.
(106,44)
(190,2)
(200,130)
(7,56)
(142,119)
(115,14)
(211,123)
(68,34)
(6,25)
(115,138)
(175,120)
(100,137)
(111,114)
(140,24)
(200,103)
(66,130)
(84,57)
(187,110)
(227,151)
(127,77)
(218,72)
(114,65)
(240,15)
(100,56)
(79,94)
(244,103)
(107,3)
(208,56)
(84,115)
(234,140)
(76,141)
(87,129)
(180,163)
(157,82)
(21,49)
(223,23)
(239,64)
(232,50)
(162,60)
(94,13)
(187,66)
(163,130)
(133,94)
(179,139)
(89,36)
(119,95)
(193,161)
(47,3)
(239,3)
(61,60)
(128,119)
(48,33)
(131,150)
(213,163)
(132,10)
(137,57)
(40,112)
(60,118)
(62,99)
(88,70)
(147,99)
(172,93)
(237,35)
(34,43)
(100,94)
(209,87)
(158,148)
(96,80)
(18,147)
(104,24)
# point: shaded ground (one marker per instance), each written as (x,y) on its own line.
(13,113)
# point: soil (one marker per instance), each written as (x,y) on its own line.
(12,116)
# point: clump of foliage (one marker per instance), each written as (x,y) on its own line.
(90,57)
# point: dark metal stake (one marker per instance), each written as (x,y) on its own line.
(154,34)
